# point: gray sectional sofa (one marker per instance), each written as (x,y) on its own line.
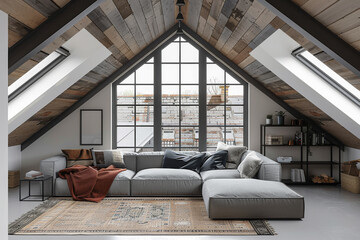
(145,177)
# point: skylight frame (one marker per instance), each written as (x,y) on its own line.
(62,55)
(319,68)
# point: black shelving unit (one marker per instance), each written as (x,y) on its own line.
(304,158)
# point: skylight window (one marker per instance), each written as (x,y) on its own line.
(37,72)
(327,74)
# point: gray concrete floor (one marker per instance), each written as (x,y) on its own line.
(330,213)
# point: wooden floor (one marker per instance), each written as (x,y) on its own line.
(330,213)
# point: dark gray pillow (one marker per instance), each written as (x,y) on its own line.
(215,161)
(249,167)
(234,154)
(178,160)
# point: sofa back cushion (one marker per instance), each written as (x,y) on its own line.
(130,160)
(181,160)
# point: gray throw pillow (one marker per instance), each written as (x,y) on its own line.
(250,165)
(105,158)
(234,154)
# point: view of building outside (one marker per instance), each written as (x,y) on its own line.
(179,103)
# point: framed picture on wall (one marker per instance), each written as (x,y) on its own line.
(91,127)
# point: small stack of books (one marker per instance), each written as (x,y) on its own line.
(298,175)
(33,174)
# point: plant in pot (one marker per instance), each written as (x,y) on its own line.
(280,117)
(269,120)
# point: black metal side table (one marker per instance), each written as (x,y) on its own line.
(37,197)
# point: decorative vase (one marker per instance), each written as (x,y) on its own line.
(268,121)
(280,120)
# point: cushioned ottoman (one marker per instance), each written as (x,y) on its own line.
(251,199)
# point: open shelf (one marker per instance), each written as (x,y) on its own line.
(289,182)
(310,163)
(299,126)
(283,145)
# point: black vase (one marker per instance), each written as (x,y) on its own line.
(280,120)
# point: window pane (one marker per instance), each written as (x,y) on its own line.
(170,115)
(170,73)
(144,115)
(170,94)
(189,53)
(125,137)
(144,137)
(145,94)
(235,94)
(189,137)
(215,94)
(215,115)
(234,115)
(151,60)
(125,94)
(190,73)
(170,137)
(170,53)
(230,79)
(129,79)
(189,115)
(235,136)
(190,94)
(125,115)
(214,74)
(214,135)
(145,74)
(208,60)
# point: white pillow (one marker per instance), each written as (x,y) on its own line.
(250,165)
(234,154)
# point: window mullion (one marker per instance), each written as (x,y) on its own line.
(202,101)
(157,102)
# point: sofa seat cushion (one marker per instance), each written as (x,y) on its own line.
(166,182)
(119,187)
(251,198)
(220,174)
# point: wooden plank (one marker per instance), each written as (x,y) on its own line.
(168,13)
(346,23)
(140,20)
(228,7)
(352,35)
(135,31)
(193,14)
(99,35)
(300,2)
(277,23)
(148,11)
(201,26)
(215,17)
(242,55)
(118,41)
(13,37)
(18,27)
(118,22)
(124,8)
(83,23)
(264,34)
(20,71)
(204,14)
(245,23)
(246,62)
(98,17)
(61,3)
(314,7)
(337,11)
(226,33)
(217,30)
(22,12)
(45,7)
(39,56)
(263,21)
(159,16)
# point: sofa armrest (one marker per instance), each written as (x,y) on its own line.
(269,169)
(51,166)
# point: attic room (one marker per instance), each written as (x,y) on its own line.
(178,119)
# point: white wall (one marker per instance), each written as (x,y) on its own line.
(14,158)
(66,134)
(260,105)
(351,154)
(3,125)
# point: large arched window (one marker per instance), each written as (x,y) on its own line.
(180,100)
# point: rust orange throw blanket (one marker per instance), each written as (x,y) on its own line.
(87,183)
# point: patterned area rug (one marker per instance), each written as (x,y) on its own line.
(129,216)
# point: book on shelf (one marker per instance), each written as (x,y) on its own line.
(297,175)
(33,174)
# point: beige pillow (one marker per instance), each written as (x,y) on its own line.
(234,154)
(250,165)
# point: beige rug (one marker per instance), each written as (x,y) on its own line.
(129,216)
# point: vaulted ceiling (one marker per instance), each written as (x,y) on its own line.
(234,27)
